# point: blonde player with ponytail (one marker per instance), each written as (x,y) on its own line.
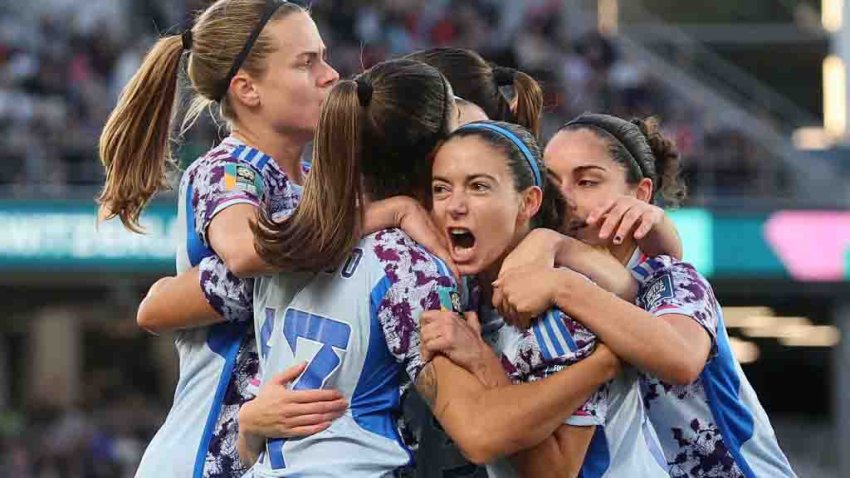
(261,64)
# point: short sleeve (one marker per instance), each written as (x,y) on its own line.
(414,282)
(668,286)
(220,183)
(230,296)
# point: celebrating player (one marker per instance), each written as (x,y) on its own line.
(704,410)
(262,63)
(490,190)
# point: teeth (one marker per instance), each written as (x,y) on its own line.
(458,231)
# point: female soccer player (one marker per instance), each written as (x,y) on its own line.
(263,64)
(704,410)
(479,88)
(486,178)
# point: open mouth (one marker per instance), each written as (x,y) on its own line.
(462,241)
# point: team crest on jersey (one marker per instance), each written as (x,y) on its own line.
(449,299)
(661,288)
(242,178)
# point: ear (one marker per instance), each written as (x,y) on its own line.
(644,190)
(532,198)
(244,90)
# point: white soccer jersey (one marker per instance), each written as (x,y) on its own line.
(198,438)
(357,327)
(623,444)
(714,427)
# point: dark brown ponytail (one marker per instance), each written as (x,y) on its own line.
(529,102)
(475,80)
(668,163)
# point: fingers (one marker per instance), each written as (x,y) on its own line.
(293,410)
(614,217)
(419,226)
(499,301)
(289,374)
(435,316)
(436,344)
(428,317)
(506,308)
(313,419)
(441,250)
(425,353)
(497,293)
(644,228)
(430,332)
(510,311)
(648,221)
(502,303)
(629,219)
(313,396)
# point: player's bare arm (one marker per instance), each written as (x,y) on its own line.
(674,349)
(500,421)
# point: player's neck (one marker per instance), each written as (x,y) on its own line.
(284,151)
(624,251)
(485,281)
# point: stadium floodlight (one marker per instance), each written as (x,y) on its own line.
(834,96)
(812,138)
(815,336)
(780,327)
(831,14)
(739,317)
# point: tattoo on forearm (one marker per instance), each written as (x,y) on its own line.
(426,384)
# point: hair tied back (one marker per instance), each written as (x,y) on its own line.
(364,91)
(503,76)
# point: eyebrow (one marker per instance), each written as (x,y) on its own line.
(311,53)
(587,167)
(468,178)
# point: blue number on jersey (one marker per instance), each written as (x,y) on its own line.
(266,332)
(332,335)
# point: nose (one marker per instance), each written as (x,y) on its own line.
(457,206)
(329,76)
(569,196)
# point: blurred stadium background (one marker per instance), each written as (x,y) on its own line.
(754,92)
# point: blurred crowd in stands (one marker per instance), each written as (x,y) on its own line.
(62,68)
(105,439)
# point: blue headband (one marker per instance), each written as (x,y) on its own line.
(529,158)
